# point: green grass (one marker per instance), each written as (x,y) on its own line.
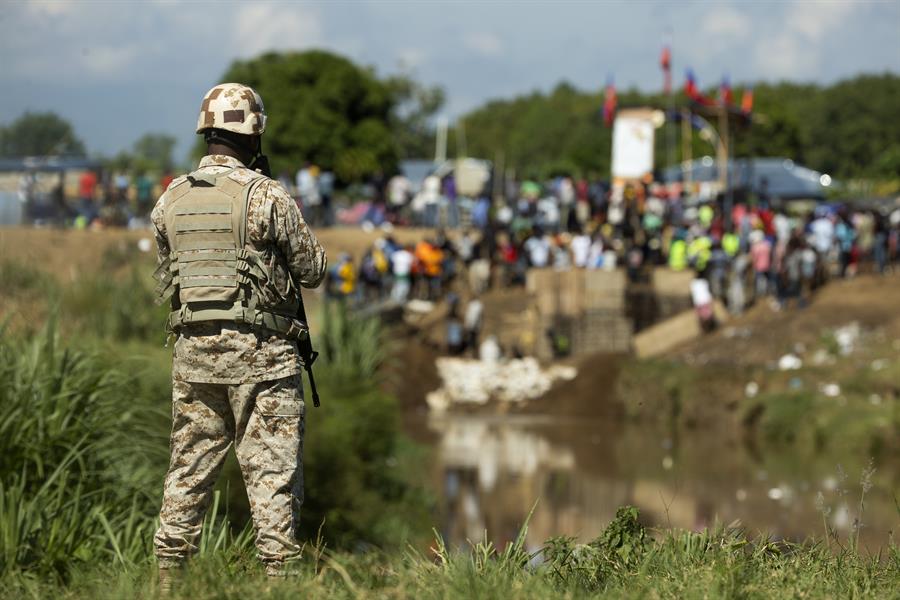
(625,561)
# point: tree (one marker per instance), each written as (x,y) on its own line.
(154,151)
(324,109)
(414,105)
(849,129)
(39,134)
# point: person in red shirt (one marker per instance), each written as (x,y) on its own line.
(87,190)
(166,180)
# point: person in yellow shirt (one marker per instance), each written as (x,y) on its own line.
(346,275)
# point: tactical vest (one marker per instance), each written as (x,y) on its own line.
(212,271)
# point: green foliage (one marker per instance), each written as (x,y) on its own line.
(360,468)
(414,106)
(68,490)
(718,563)
(152,152)
(39,134)
(322,108)
(849,129)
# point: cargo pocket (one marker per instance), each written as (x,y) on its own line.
(281,398)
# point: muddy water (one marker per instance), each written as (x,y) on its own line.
(488,473)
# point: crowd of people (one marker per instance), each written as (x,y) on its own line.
(115,198)
(757,249)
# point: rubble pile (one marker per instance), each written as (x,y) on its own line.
(469,381)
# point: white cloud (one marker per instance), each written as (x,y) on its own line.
(815,20)
(483,43)
(725,21)
(795,48)
(109,60)
(260,27)
(51,8)
(411,58)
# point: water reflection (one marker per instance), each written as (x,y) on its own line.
(489,472)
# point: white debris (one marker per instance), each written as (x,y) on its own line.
(875,399)
(468,381)
(145,244)
(847,337)
(789,362)
(740,494)
(832,390)
(751,389)
(776,493)
(420,306)
(878,364)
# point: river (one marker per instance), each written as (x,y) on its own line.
(489,472)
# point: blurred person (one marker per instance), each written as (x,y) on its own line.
(326,192)
(308,192)
(143,193)
(717,269)
(472,323)
(122,183)
(880,242)
(808,272)
(399,188)
(166,180)
(344,275)
(401,266)
(581,249)
(566,194)
(678,260)
(737,297)
(236,364)
(791,272)
(702,299)
(560,252)
(538,249)
(87,193)
(596,253)
(431,258)
(373,271)
(846,239)
(761,259)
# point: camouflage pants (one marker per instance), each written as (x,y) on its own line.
(265,422)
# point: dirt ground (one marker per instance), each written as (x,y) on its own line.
(66,253)
(762,334)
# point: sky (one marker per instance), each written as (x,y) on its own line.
(118,69)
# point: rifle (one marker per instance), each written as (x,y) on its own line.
(307,354)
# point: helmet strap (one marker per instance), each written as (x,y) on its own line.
(261,162)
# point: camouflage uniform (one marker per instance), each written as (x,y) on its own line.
(235,384)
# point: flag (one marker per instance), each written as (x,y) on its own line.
(747,101)
(609,101)
(665,63)
(726,97)
(693,93)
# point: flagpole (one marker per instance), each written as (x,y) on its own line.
(670,100)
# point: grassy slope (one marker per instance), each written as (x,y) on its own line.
(78,525)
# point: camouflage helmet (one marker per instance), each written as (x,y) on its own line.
(232,107)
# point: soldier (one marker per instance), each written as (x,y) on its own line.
(233,249)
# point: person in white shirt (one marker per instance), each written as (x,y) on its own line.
(538,249)
(581,249)
(472,322)
(401,267)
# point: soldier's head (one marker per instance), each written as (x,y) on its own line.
(232,119)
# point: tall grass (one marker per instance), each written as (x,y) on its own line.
(78,456)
